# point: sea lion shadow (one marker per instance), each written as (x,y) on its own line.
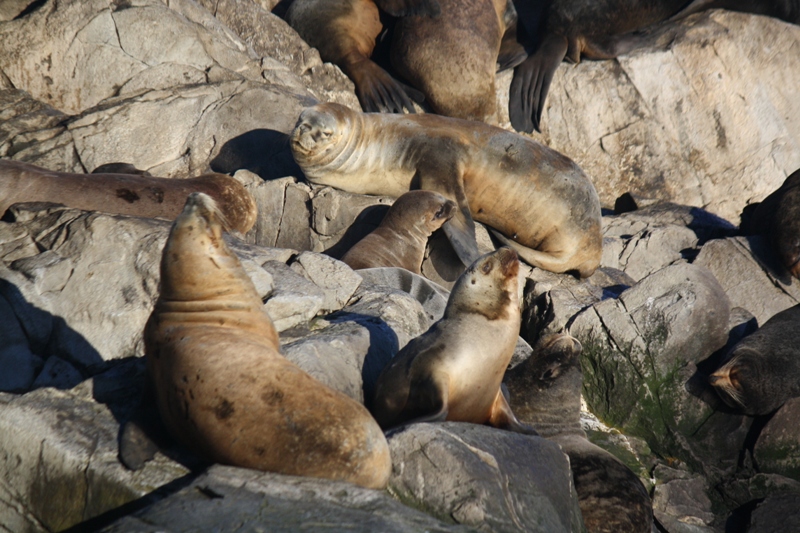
(383,346)
(264,152)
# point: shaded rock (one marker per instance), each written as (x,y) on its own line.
(284,220)
(681,503)
(640,364)
(489,479)
(15,354)
(776,514)
(777,450)
(25,121)
(746,489)
(431,296)
(749,272)
(227,498)
(58,374)
(701,118)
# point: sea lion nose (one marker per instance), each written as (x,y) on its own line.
(713,379)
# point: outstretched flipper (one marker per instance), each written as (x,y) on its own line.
(407,8)
(379,92)
(531,82)
(512,53)
(502,417)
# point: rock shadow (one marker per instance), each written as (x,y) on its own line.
(264,152)
(364,224)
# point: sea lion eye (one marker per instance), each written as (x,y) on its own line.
(439,213)
(487,267)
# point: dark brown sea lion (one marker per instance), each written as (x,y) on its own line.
(571,29)
(124,194)
(344,32)
(222,387)
(545,392)
(453,371)
(763,370)
(778,218)
(540,202)
(400,239)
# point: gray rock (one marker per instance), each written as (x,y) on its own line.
(640,361)
(11,8)
(295,300)
(776,514)
(431,296)
(283,218)
(16,358)
(681,503)
(58,374)
(232,499)
(749,271)
(26,121)
(337,280)
(489,479)
(777,450)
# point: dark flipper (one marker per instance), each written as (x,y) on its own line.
(143,435)
(406,8)
(378,92)
(512,53)
(532,81)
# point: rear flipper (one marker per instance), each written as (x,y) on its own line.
(558,263)
(512,53)
(502,417)
(406,8)
(378,92)
(143,435)
(531,82)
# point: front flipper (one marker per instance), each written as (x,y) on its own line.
(460,229)
(512,53)
(406,8)
(531,82)
(379,92)
(502,417)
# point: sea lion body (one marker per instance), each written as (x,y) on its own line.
(222,387)
(540,200)
(453,371)
(401,237)
(545,392)
(573,29)
(124,194)
(762,370)
(453,58)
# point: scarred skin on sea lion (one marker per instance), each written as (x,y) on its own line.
(222,387)
(538,201)
(401,237)
(124,194)
(453,371)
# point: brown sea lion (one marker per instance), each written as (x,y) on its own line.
(571,29)
(540,202)
(222,387)
(778,218)
(124,194)
(762,370)
(344,32)
(400,239)
(545,392)
(453,371)
(453,58)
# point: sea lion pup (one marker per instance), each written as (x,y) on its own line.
(559,29)
(222,387)
(400,239)
(453,371)
(778,218)
(762,370)
(344,32)
(540,202)
(123,194)
(545,392)
(453,58)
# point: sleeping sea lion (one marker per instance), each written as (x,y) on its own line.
(538,201)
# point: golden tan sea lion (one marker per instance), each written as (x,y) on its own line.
(401,237)
(540,202)
(453,371)
(222,387)
(123,194)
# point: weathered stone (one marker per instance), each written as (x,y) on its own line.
(748,270)
(25,121)
(701,117)
(640,363)
(489,479)
(777,450)
(226,497)
(337,280)
(681,503)
(295,300)
(776,514)
(58,374)
(11,8)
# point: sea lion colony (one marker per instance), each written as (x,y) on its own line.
(367,463)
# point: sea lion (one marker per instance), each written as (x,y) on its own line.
(540,202)
(344,32)
(222,387)
(453,58)
(778,218)
(559,29)
(453,371)
(762,370)
(400,239)
(123,194)
(545,392)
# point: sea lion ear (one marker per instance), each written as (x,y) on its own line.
(406,8)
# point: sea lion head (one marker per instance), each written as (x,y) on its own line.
(488,287)
(320,134)
(743,384)
(427,210)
